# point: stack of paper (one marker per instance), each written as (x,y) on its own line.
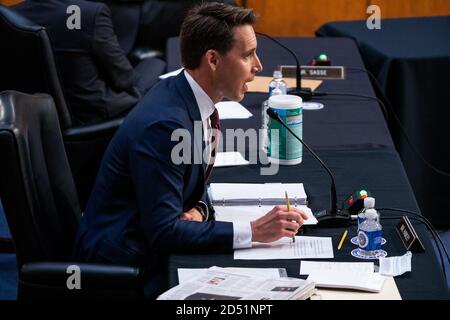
(345,275)
(222,284)
(389,292)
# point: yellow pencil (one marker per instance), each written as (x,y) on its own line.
(342,239)
(288,205)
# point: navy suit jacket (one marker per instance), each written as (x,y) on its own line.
(133,214)
(98,79)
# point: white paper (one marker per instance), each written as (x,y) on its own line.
(185,275)
(395,266)
(372,282)
(229,159)
(251,213)
(285,248)
(345,275)
(221,284)
(388,292)
(232,110)
(170,74)
(233,193)
(308,267)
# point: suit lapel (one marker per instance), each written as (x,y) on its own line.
(188,97)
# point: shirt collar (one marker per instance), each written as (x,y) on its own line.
(204,102)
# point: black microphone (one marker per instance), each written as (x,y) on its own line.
(334,217)
(304,93)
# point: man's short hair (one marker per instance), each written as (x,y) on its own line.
(210,26)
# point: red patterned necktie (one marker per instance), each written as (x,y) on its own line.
(215,124)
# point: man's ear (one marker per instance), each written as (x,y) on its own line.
(212,59)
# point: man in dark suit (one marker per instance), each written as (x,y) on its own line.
(146,202)
(149,23)
(98,80)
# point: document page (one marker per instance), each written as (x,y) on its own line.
(344,275)
(389,292)
(230,159)
(307,267)
(232,110)
(187,274)
(372,282)
(251,213)
(395,266)
(285,248)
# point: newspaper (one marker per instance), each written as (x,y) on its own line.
(221,284)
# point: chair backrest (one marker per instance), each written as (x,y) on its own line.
(27,62)
(36,185)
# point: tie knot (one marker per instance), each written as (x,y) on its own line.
(215,121)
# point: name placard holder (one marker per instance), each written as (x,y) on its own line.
(409,236)
(315,72)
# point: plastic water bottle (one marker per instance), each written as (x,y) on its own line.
(265,117)
(277,82)
(264,126)
(370,234)
(369,203)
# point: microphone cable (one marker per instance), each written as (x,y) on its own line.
(426,221)
(319,94)
(274,115)
(297,62)
(377,89)
(420,218)
(343,94)
(304,93)
(433,235)
(397,120)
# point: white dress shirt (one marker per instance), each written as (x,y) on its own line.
(242,232)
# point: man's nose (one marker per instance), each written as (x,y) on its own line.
(258,66)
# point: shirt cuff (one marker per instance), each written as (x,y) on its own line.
(242,235)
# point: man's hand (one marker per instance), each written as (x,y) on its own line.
(277,223)
(192,215)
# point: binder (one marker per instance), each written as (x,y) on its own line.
(245,202)
(256,194)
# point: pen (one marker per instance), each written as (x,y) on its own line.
(342,239)
(288,209)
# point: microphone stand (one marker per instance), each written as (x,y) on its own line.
(304,93)
(334,217)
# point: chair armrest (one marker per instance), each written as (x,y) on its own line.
(97,130)
(95,276)
(140,53)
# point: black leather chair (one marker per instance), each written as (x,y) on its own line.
(6,245)
(27,65)
(41,206)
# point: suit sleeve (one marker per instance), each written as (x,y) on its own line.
(159,186)
(119,71)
